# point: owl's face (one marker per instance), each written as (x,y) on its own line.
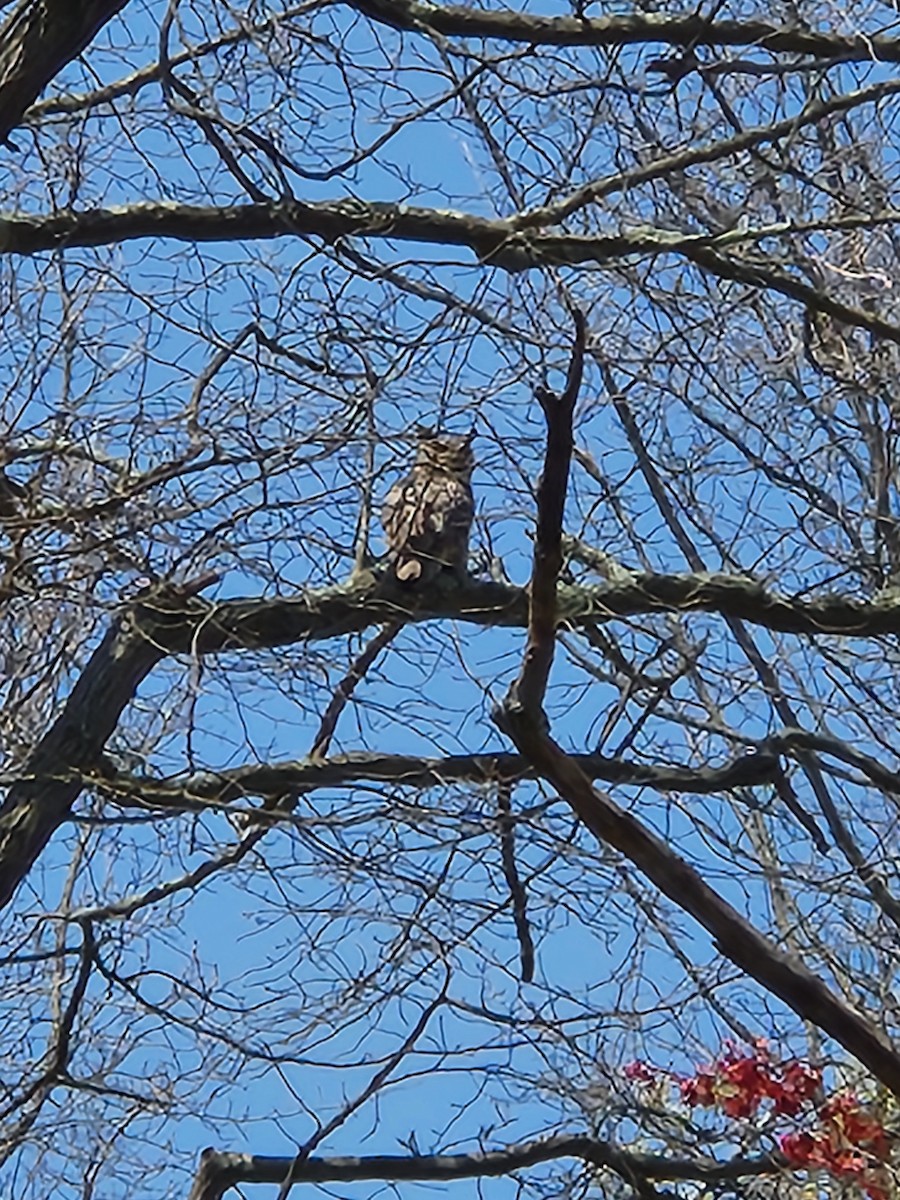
(448,454)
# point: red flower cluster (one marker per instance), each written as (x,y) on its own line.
(640,1072)
(738,1083)
(847,1140)
(850,1142)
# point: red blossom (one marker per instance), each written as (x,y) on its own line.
(805,1149)
(640,1072)
(798,1084)
(852,1124)
(849,1143)
(848,1140)
(700,1090)
(736,1102)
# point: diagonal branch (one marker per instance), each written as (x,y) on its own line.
(40,801)
(785,977)
(767,675)
(293,1174)
(38,39)
(692,155)
(36,805)
(733,935)
(763,668)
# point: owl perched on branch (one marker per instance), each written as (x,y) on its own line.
(428,515)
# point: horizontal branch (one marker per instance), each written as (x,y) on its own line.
(750,769)
(42,798)
(498,243)
(206,627)
(411,771)
(220,1170)
(496,240)
(689,30)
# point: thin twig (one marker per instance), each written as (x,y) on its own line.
(372,1087)
(345,689)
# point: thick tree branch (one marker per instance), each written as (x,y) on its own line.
(38,39)
(528,690)
(690,30)
(498,243)
(220,1170)
(202,789)
(734,937)
(208,627)
(36,805)
(495,240)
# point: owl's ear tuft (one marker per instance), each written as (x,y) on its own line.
(425,433)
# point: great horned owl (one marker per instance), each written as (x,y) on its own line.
(428,515)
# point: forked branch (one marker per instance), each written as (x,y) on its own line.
(785,977)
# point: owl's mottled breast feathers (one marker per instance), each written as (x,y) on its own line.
(428,515)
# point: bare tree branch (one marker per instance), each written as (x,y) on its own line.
(733,935)
(747,770)
(498,243)
(693,155)
(517,892)
(220,1170)
(528,690)
(208,627)
(39,802)
(294,1172)
(401,770)
(456,20)
(34,807)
